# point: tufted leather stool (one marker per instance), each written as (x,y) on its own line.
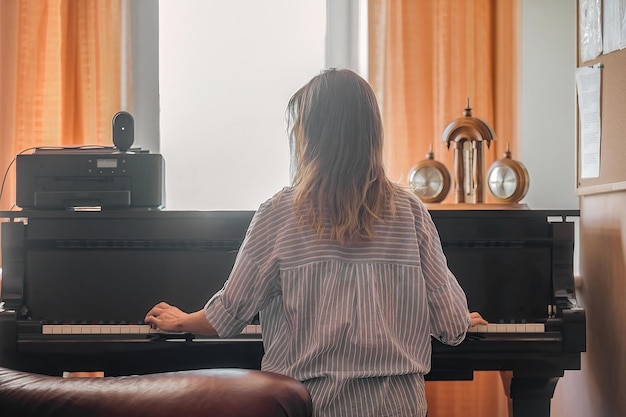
(199,393)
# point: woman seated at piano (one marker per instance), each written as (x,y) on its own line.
(344,266)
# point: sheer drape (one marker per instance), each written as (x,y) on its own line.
(426,58)
(60,76)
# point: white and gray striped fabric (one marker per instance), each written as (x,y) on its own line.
(353,322)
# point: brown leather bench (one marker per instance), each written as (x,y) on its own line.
(201,393)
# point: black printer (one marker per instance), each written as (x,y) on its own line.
(102,178)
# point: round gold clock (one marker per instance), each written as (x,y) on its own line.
(508,179)
(430,179)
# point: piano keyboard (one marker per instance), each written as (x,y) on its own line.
(251,329)
(117,329)
(508,328)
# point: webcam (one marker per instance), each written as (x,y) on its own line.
(123,131)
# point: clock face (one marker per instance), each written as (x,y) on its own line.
(503,181)
(508,180)
(430,180)
(427,182)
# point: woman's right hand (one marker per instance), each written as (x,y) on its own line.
(476,319)
(166,317)
(169,318)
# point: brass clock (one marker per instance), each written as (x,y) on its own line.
(430,179)
(508,179)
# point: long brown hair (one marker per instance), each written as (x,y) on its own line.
(336,141)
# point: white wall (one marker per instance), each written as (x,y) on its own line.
(548,141)
(226,72)
(144,30)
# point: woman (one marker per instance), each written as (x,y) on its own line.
(344,266)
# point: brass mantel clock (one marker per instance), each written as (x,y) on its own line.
(508,179)
(468,134)
(429,179)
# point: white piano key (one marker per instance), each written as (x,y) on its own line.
(521,328)
(133,329)
(508,328)
(481,328)
(499,328)
(113,329)
(68,329)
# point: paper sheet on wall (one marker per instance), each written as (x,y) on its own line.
(590,29)
(612,25)
(588,85)
(623,24)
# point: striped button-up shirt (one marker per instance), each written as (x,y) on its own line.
(353,321)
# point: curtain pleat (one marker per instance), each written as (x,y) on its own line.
(484,396)
(60,77)
(8,95)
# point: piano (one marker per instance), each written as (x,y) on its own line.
(76,286)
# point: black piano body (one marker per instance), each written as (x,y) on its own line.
(102,269)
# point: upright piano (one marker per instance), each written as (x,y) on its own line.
(76,286)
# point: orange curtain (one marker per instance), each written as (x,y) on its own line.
(427,58)
(60,76)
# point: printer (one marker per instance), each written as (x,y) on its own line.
(103,178)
